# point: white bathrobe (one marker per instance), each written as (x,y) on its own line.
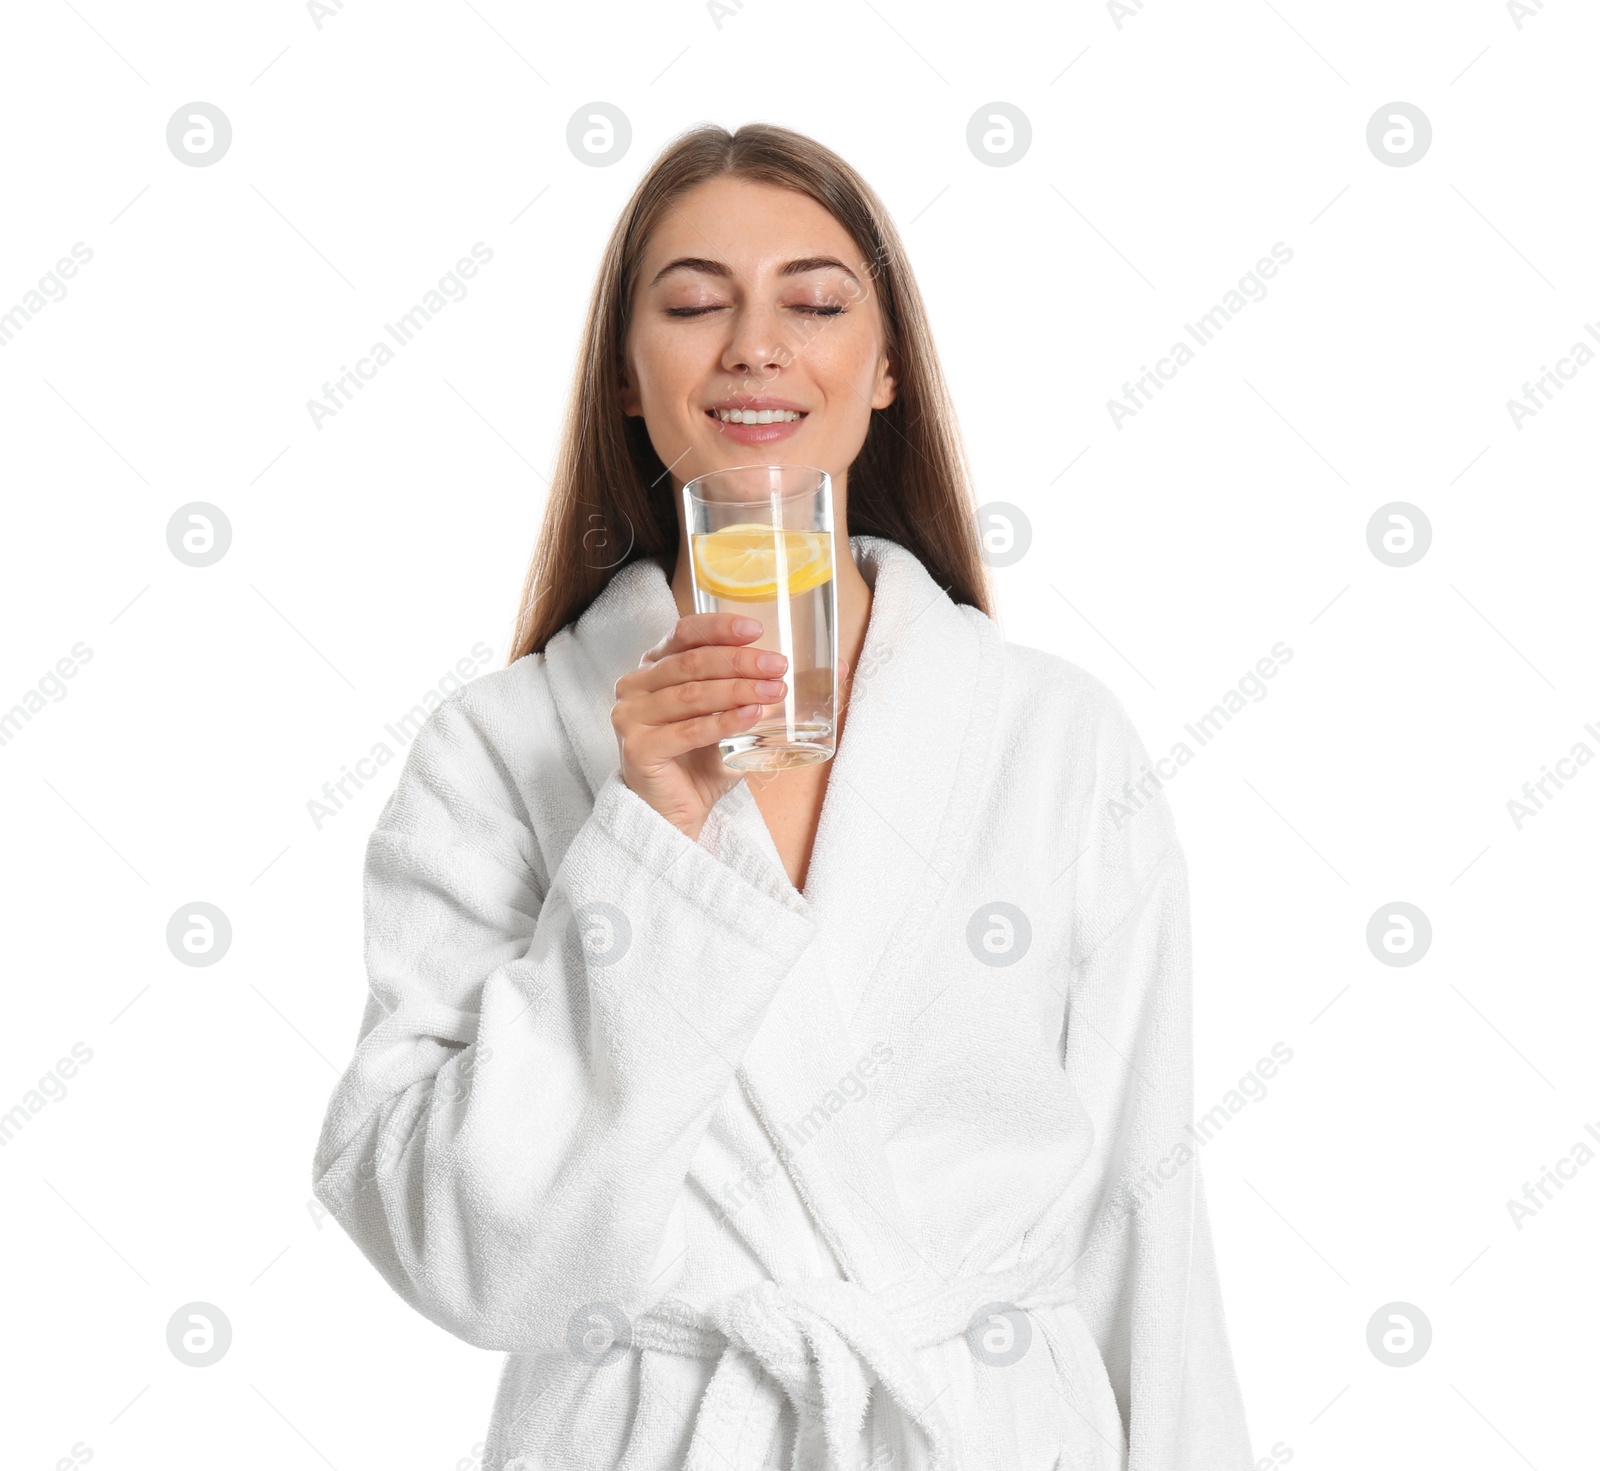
(892,1174)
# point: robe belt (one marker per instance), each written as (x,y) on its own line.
(825,1340)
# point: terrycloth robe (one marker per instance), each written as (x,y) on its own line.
(891,1173)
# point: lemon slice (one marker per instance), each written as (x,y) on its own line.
(744,562)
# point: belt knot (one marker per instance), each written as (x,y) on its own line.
(826,1341)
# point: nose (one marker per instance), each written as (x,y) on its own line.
(756,346)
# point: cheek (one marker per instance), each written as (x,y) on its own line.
(670,369)
(851,353)
(845,369)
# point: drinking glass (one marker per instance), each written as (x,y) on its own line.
(761,545)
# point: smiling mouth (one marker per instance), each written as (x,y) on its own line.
(755,416)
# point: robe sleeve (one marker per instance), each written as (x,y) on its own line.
(1148,1281)
(538,1061)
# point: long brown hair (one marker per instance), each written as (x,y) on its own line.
(611,499)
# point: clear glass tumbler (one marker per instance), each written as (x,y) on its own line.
(761,544)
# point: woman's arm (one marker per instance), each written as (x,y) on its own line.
(1148,1278)
(1148,1283)
(538,1062)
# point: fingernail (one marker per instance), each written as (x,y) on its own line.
(769,686)
(746,625)
(771,663)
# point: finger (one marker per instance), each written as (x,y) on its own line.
(698,629)
(679,702)
(705,661)
(653,745)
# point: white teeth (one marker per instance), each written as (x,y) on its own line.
(761,416)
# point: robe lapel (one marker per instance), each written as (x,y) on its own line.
(914,740)
(906,774)
(584,661)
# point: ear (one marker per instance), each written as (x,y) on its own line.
(886,384)
(630,398)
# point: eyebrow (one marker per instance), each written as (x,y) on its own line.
(718,268)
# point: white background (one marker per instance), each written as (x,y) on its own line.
(1168,155)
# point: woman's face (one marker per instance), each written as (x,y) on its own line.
(750,296)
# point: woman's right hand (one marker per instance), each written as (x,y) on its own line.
(696,686)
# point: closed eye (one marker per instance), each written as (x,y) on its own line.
(700,311)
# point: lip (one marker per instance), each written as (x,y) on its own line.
(757,433)
(757,402)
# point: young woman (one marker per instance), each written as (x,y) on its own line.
(834,1119)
